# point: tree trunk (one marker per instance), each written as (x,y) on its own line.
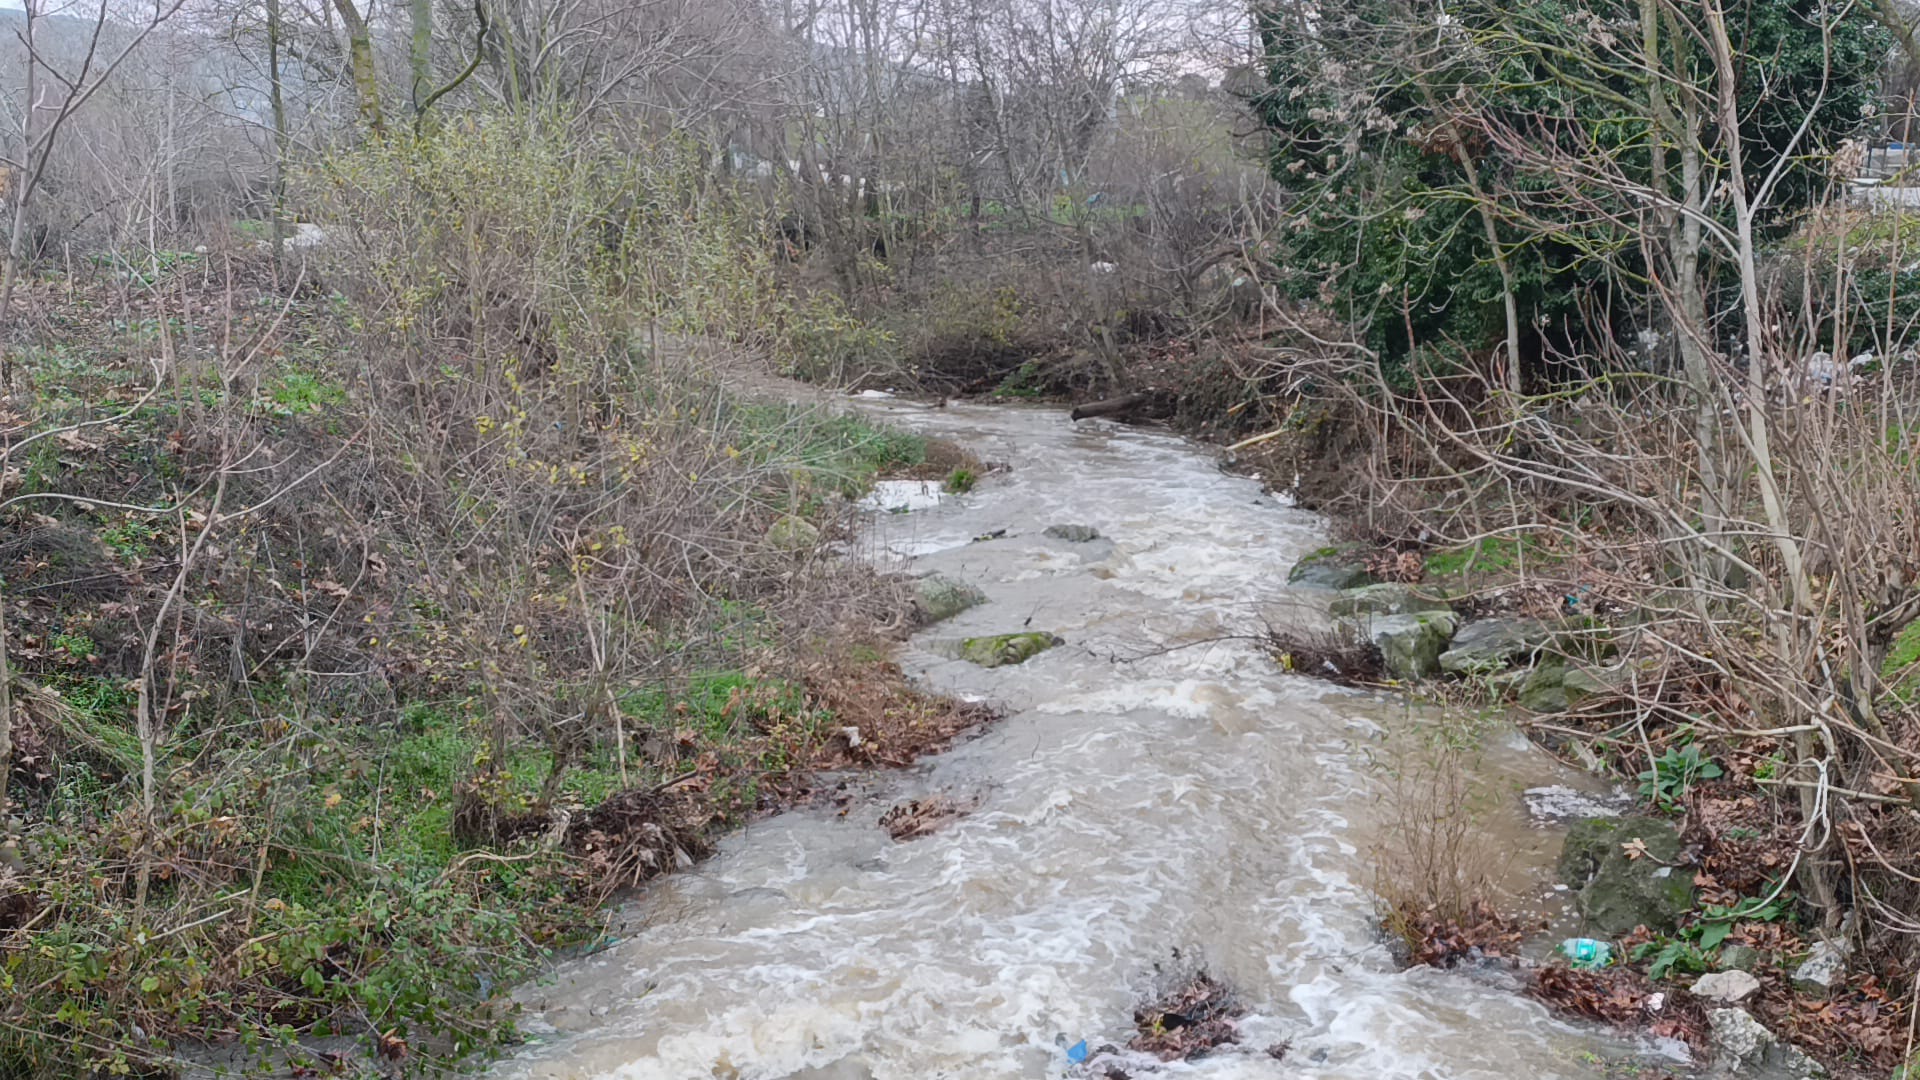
(1483,203)
(1113,406)
(366,78)
(276,96)
(1815,878)
(9,840)
(420,54)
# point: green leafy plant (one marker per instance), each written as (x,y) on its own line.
(1718,920)
(1025,382)
(76,645)
(131,539)
(298,392)
(1676,771)
(961,480)
(1670,955)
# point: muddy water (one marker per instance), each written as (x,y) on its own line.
(1159,796)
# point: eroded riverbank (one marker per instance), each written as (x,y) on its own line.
(1159,796)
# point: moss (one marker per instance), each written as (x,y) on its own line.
(1618,892)
(1491,554)
(1899,670)
(1330,568)
(1001,650)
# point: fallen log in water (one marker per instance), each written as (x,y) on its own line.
(1110,406)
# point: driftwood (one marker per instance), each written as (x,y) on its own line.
(1113,406)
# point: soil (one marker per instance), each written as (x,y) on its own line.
(885,723)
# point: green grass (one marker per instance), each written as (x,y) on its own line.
(295,393)
(855,450)
(102,719)
(132,538)
(1492,554)
(1904,651)
(1899,670)
(843,453)
(76,645)
(715,703)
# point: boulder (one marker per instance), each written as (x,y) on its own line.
(793,533)
(1616,892)
(1410,645)
(936,598)
(1003,649)
(1555,686)
(1738,1039)
(1544,689)
(1073,534)
(1585,680)
(1330,568)
(1508,681)
(1742,1044)
(1731,987)
(1491,644)
(1386,598)
(1823,969)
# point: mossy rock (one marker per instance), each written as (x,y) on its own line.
(1587,637)
(793,533)
(1073,534)
(1003,649)
(937,598)
(1386,598)
(1330,568)
(1410,645)
(1583,681)
(1545,690)
(1488,645)
(1616,892)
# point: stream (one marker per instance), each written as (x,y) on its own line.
(1160,796)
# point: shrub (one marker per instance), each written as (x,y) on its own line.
(961,480)
(496,548)
(1434,864)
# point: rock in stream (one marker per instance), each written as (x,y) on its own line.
(1001,650)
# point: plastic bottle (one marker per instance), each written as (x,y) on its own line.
(1587,954)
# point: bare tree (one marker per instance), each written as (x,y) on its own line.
(56,89)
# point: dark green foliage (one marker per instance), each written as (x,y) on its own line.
(1372,105)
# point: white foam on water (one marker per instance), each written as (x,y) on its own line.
(1558,803)
(904,496)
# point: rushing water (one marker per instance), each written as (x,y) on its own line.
(1159,796)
